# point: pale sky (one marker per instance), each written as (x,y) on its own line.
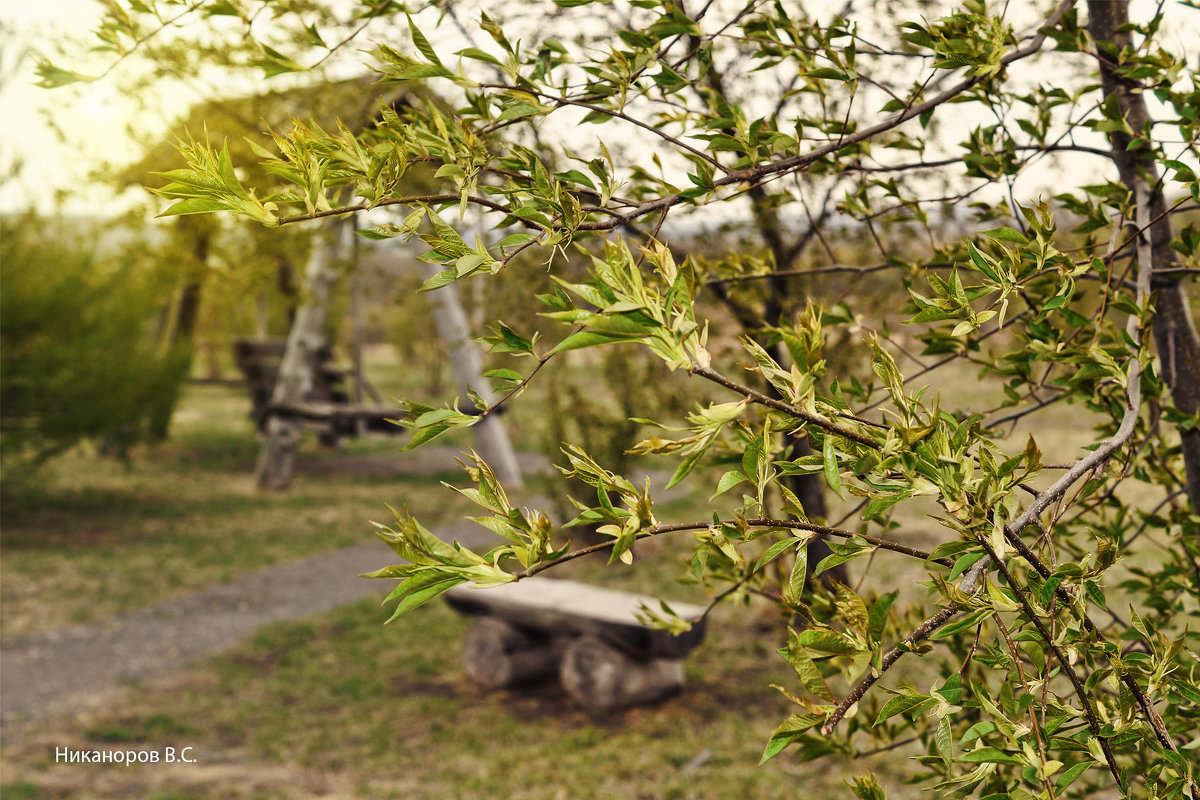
(96,116)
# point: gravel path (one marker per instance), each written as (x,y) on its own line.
(55,669)
(58,669)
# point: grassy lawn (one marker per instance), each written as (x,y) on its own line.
(184,514)
(339,706)
(343,705)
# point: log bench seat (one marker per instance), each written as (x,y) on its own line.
(587,637)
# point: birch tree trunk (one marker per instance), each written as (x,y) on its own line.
(491,439)
(276,459)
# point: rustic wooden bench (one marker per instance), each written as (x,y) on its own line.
(327,410)
(588,637)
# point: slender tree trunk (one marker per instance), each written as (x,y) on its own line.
(285,277)
(276,459)
(179,339)
(260,315)
(490,435)
(1175,337)
(359,326)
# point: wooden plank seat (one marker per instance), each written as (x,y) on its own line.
(345,416)
(587,637)
(327,410)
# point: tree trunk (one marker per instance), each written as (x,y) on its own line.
(178,340)
(276,459)
(260,315)
(491,438)
(1175,337)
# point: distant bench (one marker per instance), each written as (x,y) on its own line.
(327,410)
(588,637)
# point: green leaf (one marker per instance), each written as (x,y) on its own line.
(877,507)
(796,726)
(479,55)
(582,339)
(275,63)
(575,176)
(444,278)
(981,262)
(944,741)
(515,239)
(506,340)
(728,481)
(420,589)
(852,609)
(195,205)
(51,77)
(827,73)
(518,110)
(794,589)
(989,755)
(468,263)
(383,232)
(1007,234)
(903,703)
(827,641)
(314,36)
(1073,773)
(832,475)
(686,466)
(504,375)
(877,618)
(966,623)
(422,44)
(842,552)
(963,563)
(771,552)
(1186,690)
(806,669)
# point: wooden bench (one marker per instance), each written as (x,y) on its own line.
(327,410)
(589,638)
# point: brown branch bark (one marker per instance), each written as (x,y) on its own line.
(770,402)
(754,522)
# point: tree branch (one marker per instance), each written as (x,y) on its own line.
(779,405)
(754,522)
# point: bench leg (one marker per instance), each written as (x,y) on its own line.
(601,678)
(496,655)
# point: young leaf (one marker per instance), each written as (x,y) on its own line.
(832,475)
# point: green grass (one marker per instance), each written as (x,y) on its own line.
(340,705)
(388,708)
(182,515)
(22,790)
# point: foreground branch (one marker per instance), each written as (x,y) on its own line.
(799,413)
(755,522)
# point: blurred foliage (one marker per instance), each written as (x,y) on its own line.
(79,356)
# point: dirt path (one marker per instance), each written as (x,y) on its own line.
(56,669)
(59,669)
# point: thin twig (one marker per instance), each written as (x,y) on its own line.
(770,402)
(754,522)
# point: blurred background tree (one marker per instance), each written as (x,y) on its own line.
(80,358)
